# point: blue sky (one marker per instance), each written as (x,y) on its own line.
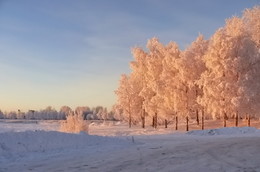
(72,52)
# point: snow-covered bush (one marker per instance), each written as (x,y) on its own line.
(74,124)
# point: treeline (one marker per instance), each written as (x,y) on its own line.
(49,113)
(219,77)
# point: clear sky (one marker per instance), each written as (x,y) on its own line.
(72,52)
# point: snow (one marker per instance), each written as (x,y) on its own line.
(25,125)
(18,144)
(224,149)
(231,131)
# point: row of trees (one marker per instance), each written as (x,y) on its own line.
(219,77)
(49,113)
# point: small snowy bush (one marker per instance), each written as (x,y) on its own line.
(74,124)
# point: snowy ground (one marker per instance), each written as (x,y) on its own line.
(225,149)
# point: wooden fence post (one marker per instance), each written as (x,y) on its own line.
(166,123)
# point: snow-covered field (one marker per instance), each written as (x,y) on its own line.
(31,146)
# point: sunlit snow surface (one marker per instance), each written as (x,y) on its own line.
(25,125)
(38,147)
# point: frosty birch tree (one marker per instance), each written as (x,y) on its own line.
(154,66)
(221,75)
(128,98)
(229,62)
(191,66)
(169,76)
(251,18)
(139,72)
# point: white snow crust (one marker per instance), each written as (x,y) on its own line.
(225,149)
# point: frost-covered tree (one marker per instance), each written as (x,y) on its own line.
(229,60)
(128,99)
(150,93)
(48,113)
(251,18)
(65,110)
(220,75)
(101,113)
(169,75)
(191,66)
(118,113)
(11,115)
(82,111)
(1,115)
(139,76)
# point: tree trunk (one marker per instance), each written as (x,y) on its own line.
(236,119)
(155,120)
(130,120)
(187,123)
(166,123)
(225,120)
(197,117)
(143,118)
(248,121)
(202,119)
(176,122)
(153,123)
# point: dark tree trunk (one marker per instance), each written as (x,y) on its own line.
(187,123)
(197,117)
(202,120)
(236,119)
(143,118)
(248,121)
(225,119)
(176,122)
(155,120)
(166,123)
(153,123)
(130,120)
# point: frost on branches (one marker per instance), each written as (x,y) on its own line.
(74,124)
(220,76)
